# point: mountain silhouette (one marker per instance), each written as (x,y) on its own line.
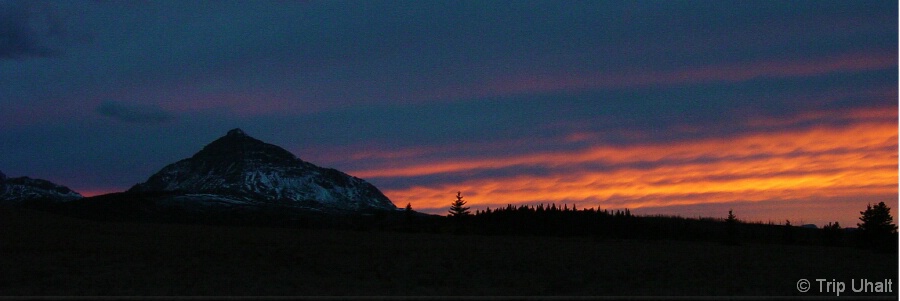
(237,169)
(22,189)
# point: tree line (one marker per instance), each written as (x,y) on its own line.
(875,230)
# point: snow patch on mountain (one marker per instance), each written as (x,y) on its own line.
(239,167)
(24,188)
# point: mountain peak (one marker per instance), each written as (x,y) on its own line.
(236,132)
(255,172)
(237,146)
(24,188)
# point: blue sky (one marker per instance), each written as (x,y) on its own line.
(497,99)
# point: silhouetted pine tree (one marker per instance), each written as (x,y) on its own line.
(457,208)
(731,222)
(731,218)
(408,213)
(832,234)
(788,236)
(877,228)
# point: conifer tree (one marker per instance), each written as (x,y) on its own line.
(877,220)
(731,218)
(408,217)
(877,228)
(832,233)
(408,212)
(731,224)
(788,234)
(457,208)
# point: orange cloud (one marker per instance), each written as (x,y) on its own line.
(860,137)
(856,160)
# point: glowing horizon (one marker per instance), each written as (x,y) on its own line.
(834,161)
(676,107)
(856,162)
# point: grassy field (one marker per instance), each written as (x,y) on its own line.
(46,254)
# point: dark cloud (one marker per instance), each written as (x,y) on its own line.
(134,113)
(430,82)
(33,29)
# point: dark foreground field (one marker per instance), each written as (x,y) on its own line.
(46,254)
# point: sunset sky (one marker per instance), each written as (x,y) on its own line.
(780,110)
